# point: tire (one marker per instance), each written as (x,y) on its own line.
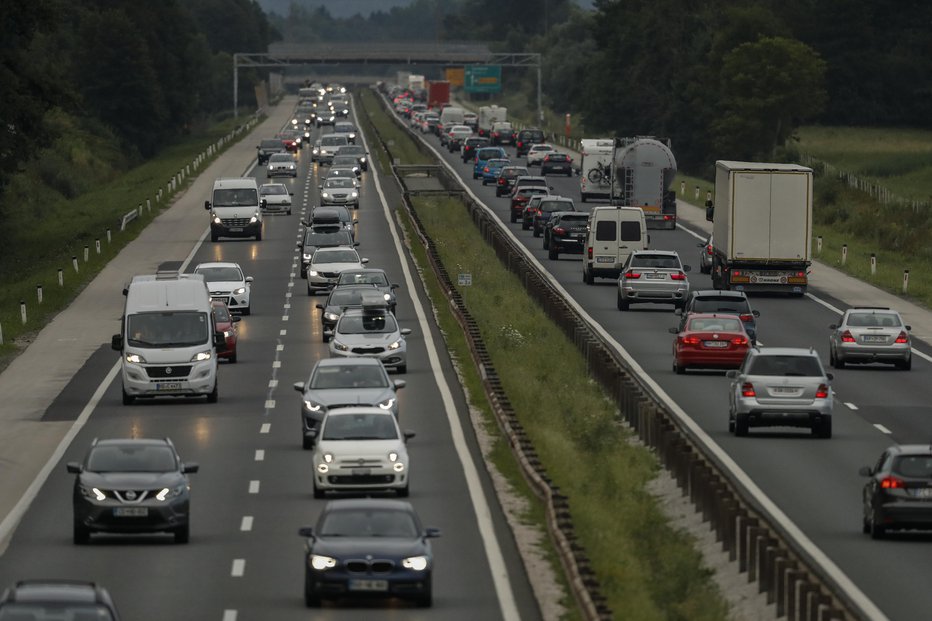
(823,429)
(553,254)
(128,399)
(311,599)
(513,217)
(831,357)
(403,492)
(865,525)
(247,310)
(878,531)
(906,365)
(307,443)
(310,291)
(587,277)
(259,234)
(289,212)
(183,534)
(319,493)
(403,368)
(426,600)
(536,232)
(678,369)
(584,198)
(546,243)
(82,535)
(214,238)
(233,358)
(524,225)
(214,395)
(622,303)
(839,364)
(742,426)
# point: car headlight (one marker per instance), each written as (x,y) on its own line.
(387,405)
(201,356)
(170,492)
(387,296)
(355,194)
(331,316)
(362,160)
(270,167)
(321,563)
(306,257)
(352,136)
(239,291)
(337,345)
(312,273)
(294,121)
(323,468)
(395,345)
(253,220)
(417,563)
(313,407)
(398,466)
(315,151)
(393,456)
(217,220)
(93,493)
(135,359)
(325,195)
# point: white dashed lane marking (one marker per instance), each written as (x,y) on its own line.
(265,427)
(851,406)
(882,429)
(270,404)
(260,455)
(239,567)
(273,383)
(246,524)
(254,487)
(229,615)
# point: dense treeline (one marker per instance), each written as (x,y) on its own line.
(98,84)
(419,21)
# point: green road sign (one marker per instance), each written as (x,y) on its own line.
(483,79)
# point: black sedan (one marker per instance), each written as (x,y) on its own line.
(57,599)
(898,493)
(368,548)
(131,486)
(565,232)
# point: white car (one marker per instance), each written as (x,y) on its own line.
(276,196)
(339,191)
(371,331)
(326,265)
(361,448)
(226,283)
(281,164)
(537,153)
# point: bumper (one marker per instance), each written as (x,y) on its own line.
(906,514)
(230,350)
(661,295)
(888,353)
(340,582)
(160,516)
(563,170)
(277,207)
(320,283)
(339,201)
(390,359)
(784,417)
(200,381)
(570,246)
(724,360)
(376,479)
(281,172)
(247,230)
(233,302)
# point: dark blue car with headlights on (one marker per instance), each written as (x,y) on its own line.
(368,548)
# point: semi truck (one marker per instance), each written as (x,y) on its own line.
(489,115)
(438,93)
(595,167)
(762,227)
(643,169)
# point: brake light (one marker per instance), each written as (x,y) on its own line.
(678,276)
(746,318)
(589,252)
(747,390)
(822,392)
(892,483)
(739,340)
(495,134)
(902,338)
(736,272)
(690,340)
(501,181)
(632,275)
(668,217)
(559,230)
(846,337)
(708,250)
(539,212)
(486,169)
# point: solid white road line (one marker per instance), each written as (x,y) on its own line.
(493,551)
(882,428)
(239,568)
(246,524)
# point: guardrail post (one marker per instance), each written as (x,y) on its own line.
(780,570)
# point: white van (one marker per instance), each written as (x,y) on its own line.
(612,234)
(235,208)
(489,115)
(451,115)
(595,165)
(168,340)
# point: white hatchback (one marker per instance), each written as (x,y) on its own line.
(226,283)
(537,153)
(326,265)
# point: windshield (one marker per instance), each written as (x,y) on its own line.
(54,612)
(167,329)
(351,151)
(556,206)
(344,160)
(273,189)
(360,427)
(368,523)
(363,278)
(220,274)
(241,197)
(271,144)
(484,154)
(131,458)
(332,141)
(336,256)
(338,182)
(367,324)
(281,157)
(797,366)
(349,376)
(574,220)
(221,314)
(337,238)
(345,297)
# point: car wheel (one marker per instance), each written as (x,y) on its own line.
(307,443)
(831,356)
(742,425)
(513,217)
(310,291)
(403,492)
(426,600)
(546,243)
(82,535)
(536,232)
(214,394)
(259,234)
(318,493)
(247,310)
(878,531)
(311,599)
(584,197)
(402,368)
(553,254)
(839,363)
(823,429)
(233,358)
(214,238)
(622,303)
(905,365)
(525,225)
(731,423)
(865,525)
(128,399)
(289,212)
(587,276)
(679,369)
(183,534)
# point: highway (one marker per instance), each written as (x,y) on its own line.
(815,482)
(253,490)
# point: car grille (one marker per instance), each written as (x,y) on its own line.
(379,566)
(340,196)
(234,221)
(128,496)
(180,371)
(221,298)
(362,479)
(360,462)
(329,274)
(368,350)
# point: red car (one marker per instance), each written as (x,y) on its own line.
(710,340)
(520,198)
(226,322)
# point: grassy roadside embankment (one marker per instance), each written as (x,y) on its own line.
(50,230)
(647,569)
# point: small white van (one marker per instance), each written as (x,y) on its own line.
(168,341)
(612,234)
(451,115)
(235,208)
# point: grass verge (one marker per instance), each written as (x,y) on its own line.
(647,569)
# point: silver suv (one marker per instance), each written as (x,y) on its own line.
(870,334)
(781,387)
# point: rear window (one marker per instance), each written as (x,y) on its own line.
(630,231)
(574,220)
(558,157)
(874,320)
(605,230)
(913,466)
(271,144)
(715,324)
(557,206)
(484,154)
(655,260)
(720,305)
(532,135)
(791,366)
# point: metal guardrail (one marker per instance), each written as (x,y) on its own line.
(793,577)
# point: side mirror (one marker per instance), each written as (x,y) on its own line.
(833,327)
(299,245)
(431,533)
(830,376)
(236,318)
(320,306)
(320,187)
(700,245)
(190,467)
(328,333)
(909,328)
(865,471)
(220,342)
(686,268)
(299,386)
(249,279)
(408,435)
(393,287)
(364,261)
(399,384)
(306,531)
(263,203)
(355,243)
(673,330)
(756,313)
(405,331)
(116,342)
(732,374)
(290,193)
(74,467)
(206,204)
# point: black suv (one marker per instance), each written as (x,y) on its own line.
(527,137)
(267,148)
(57,599)
(131,486)
(712,301)
(565,232)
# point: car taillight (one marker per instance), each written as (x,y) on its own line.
(902,338)
(708,250)
(690,340)
(668,217)
(632,275)
(846,337)
(822,392)
(589,252)
(739,340)
(746,318)
(678,276)
(539,212)
(892,483)
(486,169)
(501,181)
(495,133)
(747,390)
(559,230)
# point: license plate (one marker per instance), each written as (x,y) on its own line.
(236,229)
(605,259)
(923,492)
(768,279)
(368,585)
(168,386)
(655,276)
(783,390)
(874,339)
(715,344)
(130,512)
(361,472)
